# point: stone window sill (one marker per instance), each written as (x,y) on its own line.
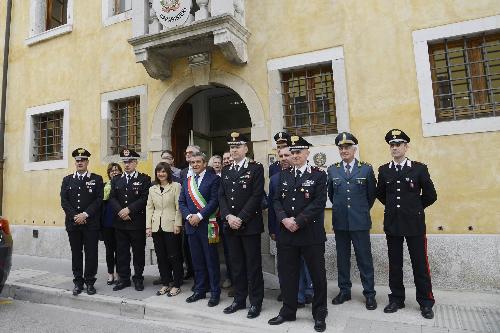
(49,34)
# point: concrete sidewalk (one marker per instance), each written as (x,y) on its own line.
(49,281)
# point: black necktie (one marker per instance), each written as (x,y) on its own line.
(348,170)
(128,178)
(297,175)
(237,167)
(399,167)
(196,177)
(79,177)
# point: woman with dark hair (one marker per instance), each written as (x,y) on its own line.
(107,231)
(164,223)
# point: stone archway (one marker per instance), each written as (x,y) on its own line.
(183,88)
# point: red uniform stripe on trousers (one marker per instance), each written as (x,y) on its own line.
(427,267)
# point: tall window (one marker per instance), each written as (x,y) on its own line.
(56,13)
(309,101)
(466,77)
(121,6)
(125,124)
(48,134)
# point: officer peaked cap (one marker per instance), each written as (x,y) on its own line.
(396,135)
(281,136)
(236,138)
(129,154)
(80,154)
(296,142)
(346,138)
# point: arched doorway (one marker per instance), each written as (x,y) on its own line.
(206,118)
(181,90)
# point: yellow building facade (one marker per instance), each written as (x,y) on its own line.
(380,77)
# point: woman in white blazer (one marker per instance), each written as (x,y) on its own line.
(164,223)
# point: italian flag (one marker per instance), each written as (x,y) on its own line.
(200,203)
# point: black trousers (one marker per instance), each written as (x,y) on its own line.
(289,272)
(363,250)
(168,255)
(126,239)
(246,265)
(84,240)
(108,235)
(417,247)
(187,254)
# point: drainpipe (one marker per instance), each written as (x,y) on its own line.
(4,95)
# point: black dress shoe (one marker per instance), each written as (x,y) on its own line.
(195,297)
(319,325)
(213,301)
(278,320)
(371,303)
(301,305)
(234,307)
(393,307)
(77,289)
(91,290)
(139,285)
(427,312)
(341,298)
(121,285)
(254,311)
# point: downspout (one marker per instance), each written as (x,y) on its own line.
(4,95)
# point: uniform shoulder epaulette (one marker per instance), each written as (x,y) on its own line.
(364,163)
(418,163)
(315,168)
(254,162)
(337,164)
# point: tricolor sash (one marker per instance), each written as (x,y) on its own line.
(200,203)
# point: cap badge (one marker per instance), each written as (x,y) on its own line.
(294,139)
(395,132)
(126,152)
(234,135)
(81,151)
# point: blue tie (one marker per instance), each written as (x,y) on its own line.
(196,177)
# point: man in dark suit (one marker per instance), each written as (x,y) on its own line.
(299,203)
(198,203)
(240,201)
(128,197)
(81,199)
(280,139)
(352,191)
(406,189)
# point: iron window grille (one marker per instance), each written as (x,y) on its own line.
(57,13)
(126,124)
(309,101)
(466,77)
(48,136)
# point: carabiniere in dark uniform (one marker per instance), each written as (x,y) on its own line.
(301,194)
(82,193)
(406,189)
(130,191)
(240,195)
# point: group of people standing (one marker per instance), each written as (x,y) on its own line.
(224,202)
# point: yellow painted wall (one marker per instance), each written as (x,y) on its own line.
(381,83)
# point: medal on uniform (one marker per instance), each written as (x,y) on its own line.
(285,184)
(306,195)
(90,190)
(244,186)
(136,192)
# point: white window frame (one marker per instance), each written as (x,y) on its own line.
(29,164)
(107,99)
(108,13)
(38,13)
(421,39)
(276,66)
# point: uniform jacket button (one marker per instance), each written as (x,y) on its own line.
(398,206)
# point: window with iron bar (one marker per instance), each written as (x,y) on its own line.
(466,77)
(309,101)
(121,6)
(56,13)
(125,124)
(48,134)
